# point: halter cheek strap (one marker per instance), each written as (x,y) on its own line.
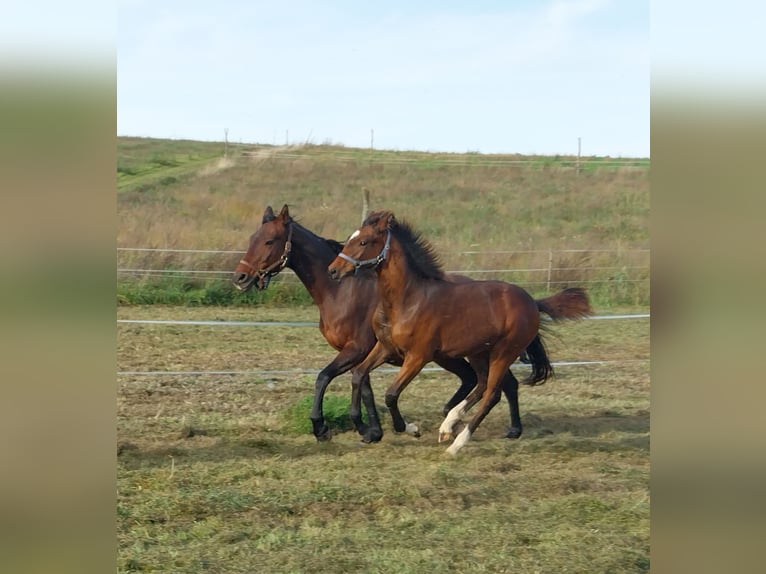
(278,265)
(375,261)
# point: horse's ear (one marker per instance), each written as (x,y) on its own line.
(268,215)
(285,213)
(391,221)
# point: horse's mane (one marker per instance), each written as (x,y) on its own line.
(421,256)
(334,245)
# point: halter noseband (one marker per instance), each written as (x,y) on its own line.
(278,265)
(375,261)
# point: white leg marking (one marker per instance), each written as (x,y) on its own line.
(412,429)
(452,417)
(459,442)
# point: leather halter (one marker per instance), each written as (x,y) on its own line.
(278,265)
(375,261)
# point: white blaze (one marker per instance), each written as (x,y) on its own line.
(354,234)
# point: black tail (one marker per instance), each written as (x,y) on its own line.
(541,365)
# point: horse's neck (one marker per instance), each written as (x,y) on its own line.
(309,259)
(396,282)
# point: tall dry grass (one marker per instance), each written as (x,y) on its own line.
(458,208)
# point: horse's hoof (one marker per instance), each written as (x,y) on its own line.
(452,450)
(324,435)
(445,436)
(372,436)
(412,429)
(513,432)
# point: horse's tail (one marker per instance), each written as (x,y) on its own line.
(541,364)
(570,303)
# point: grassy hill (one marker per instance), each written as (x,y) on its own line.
(543,222)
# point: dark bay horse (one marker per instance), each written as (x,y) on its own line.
(424,317)
(345,318)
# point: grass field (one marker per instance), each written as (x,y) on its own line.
(212,478)
(215,473)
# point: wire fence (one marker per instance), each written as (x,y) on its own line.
(551,267)
(308,371)
(271,373)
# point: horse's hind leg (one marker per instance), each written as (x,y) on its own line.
(510,386)
(467,375)
(498,366)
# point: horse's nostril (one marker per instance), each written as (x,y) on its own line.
(242,277)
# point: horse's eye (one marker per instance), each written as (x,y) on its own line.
(269,241)
(363,242)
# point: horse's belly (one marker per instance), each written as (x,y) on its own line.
(461,342)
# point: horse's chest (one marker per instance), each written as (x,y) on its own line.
(336,337)
(403,336)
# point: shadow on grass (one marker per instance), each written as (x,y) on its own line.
(596,424)
(555,433)
(607,432)
(224,448)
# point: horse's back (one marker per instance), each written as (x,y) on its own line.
(464,316)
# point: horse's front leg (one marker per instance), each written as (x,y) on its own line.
(346,359)
(361,390)
(410,368)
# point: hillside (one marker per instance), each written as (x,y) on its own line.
(542,222)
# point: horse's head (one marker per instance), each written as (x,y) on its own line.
(366,247)
(267,253)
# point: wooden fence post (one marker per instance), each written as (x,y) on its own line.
(365,203)
(550,268)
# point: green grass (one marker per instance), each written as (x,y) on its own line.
(148,164)
(335,409)
(195,292)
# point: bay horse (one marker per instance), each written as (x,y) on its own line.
(345,318)
(424,317)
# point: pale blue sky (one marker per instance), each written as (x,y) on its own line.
(487,76)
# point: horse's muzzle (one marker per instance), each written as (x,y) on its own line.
(244,281)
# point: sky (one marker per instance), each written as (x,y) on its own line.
(484,76)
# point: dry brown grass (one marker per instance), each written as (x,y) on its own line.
(457,207)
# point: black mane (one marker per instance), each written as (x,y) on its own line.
(334,245)
(421,256)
